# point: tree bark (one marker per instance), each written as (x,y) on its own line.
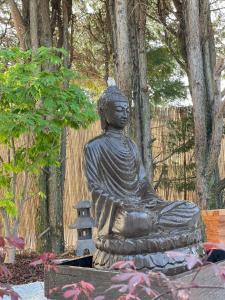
(18,23)
(142,133)
(42,223)
(128,21)
(122,48)
(33,25)
(45,24)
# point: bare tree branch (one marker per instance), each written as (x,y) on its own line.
(170,154)
(223,93)
(220,66)
(163,171)
(14,175)
(220,186)
(216,9)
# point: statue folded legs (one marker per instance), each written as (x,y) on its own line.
(133,222)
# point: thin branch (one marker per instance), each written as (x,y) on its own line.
(1,159)
(223,93)
(169,28)
(220,186)
(221,111)
(178,179)
(20,203)
(171,154)
(173,52)
(24,193)
(220,66)
(160,177)
(216,9)
(44,232)
(9,156)
(189,287)
(14,175)
(6,221)
(30,197)
(154,158)
(164,159)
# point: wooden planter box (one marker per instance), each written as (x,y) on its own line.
(72,271)
(214,221)
(75,270)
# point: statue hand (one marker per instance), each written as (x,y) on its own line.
(120,203)
(132,206)
(124,204)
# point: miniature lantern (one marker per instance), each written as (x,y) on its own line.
(84,224)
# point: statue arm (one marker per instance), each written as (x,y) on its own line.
(92,173)
(104,205)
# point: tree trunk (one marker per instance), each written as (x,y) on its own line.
(52,179)
(128,20)
(19,24)
(195,37)
(42,224)
(122,49)
(142,132)
(204,80)
(33,25)
(10,254)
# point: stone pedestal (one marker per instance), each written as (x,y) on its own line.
(148,252)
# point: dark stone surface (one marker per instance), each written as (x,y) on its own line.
(131,218)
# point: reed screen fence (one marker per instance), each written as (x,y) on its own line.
(75,182)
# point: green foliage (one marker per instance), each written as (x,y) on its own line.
(92,46)
(164,76)
(8,204)
(35,105)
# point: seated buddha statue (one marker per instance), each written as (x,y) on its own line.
(133,222)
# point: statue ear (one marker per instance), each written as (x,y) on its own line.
(103,123)
(102,118)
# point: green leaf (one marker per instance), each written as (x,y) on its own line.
(42,195)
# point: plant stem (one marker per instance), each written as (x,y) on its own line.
(189,287)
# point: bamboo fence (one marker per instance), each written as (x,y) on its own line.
(75,182)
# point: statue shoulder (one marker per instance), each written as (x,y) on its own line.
(94,143)
(133,144)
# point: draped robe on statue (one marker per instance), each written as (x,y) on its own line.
(115,176)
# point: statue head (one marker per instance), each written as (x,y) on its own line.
(113,108)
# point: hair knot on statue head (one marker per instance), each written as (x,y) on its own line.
(111,95)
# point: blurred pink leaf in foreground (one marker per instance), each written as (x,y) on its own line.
(17,242)
(213,246)
(192,260)
(123,265)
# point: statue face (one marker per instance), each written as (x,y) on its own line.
(117,114)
